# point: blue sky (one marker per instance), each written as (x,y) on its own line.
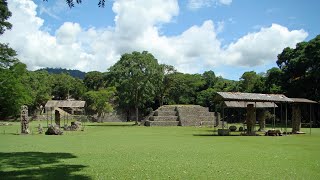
(226,36)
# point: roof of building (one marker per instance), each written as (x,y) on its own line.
(253,97)
(243,104)
(302,100)
(65,103)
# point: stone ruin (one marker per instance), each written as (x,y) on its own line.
(75,126)
(24,120)
(53,130)
(181,115)
(250,119)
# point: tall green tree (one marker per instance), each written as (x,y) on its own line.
(210,79)
(100,102)
(135,76)
(5,14)
(252,82)
(13,92)
(165,83)
(185,88)
(39,86)
(300,67)
(94,80)
(65,86)
(273,83)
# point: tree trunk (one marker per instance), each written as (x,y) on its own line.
(262,119)
(161,101)
(136,107)
(137,115)
(250,119)
(296,118)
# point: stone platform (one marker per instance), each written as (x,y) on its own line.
(181,115)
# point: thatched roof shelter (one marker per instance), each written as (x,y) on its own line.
(252,97)
(303,100)
(244,104)
(65,103)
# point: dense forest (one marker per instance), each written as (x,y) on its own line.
(73,72)
(138,82)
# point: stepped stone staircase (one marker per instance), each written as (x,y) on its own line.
(181,115)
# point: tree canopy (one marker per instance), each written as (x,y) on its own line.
(71,3)
(4,16)
(300,68)
(135,76)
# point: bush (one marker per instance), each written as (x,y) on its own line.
(233,128)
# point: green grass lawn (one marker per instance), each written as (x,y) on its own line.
(123,151)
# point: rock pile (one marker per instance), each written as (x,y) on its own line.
(53,130)
(75,126)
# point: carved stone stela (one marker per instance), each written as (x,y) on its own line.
(24,120)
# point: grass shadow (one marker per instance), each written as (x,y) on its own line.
(111,125)
(215,135)
(38,165)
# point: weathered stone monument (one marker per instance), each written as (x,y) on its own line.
(296,118)
(57,117)
(40,129)
(262,119)
(24,120)
(250,119)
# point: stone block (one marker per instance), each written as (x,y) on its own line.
(163,118)
(223,132)
(162,123)
(165,113)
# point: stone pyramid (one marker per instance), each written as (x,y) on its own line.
(181,115)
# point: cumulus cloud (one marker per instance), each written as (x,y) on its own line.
(258,48)
(225,2)
(192,51)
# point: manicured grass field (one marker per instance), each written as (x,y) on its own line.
(123,151)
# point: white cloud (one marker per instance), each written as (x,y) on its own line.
(54,10)
(262,47)
(198,4)
(225,2)
(68,33)
(197,48)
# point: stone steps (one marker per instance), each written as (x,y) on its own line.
(167,108)
(161,123)
(201,113)
(195,120)
(181,115)
(165,113)
(163,118)
(197,123)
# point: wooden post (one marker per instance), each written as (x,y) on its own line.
(274,115)
(310,123)
(223,118)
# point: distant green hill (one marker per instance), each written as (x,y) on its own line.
(72,72)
